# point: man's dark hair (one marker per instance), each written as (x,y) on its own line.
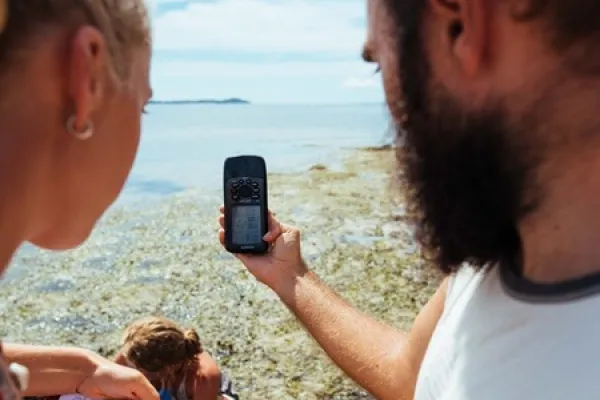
(573,27)
(470,174)
(570,21)
(571,24)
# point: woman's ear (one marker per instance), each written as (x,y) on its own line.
(87,66)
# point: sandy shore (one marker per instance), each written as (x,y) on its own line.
(164,259)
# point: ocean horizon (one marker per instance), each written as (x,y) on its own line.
(183,146)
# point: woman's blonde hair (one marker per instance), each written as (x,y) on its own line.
(157,344)
(124,24)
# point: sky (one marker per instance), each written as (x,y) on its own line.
(265,51)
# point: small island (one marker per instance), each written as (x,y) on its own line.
(202,101)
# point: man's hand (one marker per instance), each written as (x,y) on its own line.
(282,264)
(112,381)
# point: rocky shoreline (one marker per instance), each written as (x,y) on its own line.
(164,259)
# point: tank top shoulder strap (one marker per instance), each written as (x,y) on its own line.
(182,390)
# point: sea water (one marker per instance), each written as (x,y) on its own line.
(184,146)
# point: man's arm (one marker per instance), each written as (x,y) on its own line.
(381,359)
(52,370)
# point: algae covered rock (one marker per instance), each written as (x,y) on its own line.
(164,259)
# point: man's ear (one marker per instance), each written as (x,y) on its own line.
(466,28)
(86,73)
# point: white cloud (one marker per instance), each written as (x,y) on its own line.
(360,75)
(320,30)
(325,26)
(362,82)
(208,69)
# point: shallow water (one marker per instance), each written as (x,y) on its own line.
(183,146)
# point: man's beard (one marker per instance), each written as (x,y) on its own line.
(468,175)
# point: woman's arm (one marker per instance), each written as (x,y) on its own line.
(64,370)
(52,370)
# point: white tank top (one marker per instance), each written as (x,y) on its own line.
(502,337)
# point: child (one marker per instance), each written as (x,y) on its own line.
(173,360)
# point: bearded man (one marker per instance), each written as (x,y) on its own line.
(498,102)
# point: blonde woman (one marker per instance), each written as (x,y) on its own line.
(74,80)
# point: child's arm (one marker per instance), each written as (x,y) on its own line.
(207,383)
